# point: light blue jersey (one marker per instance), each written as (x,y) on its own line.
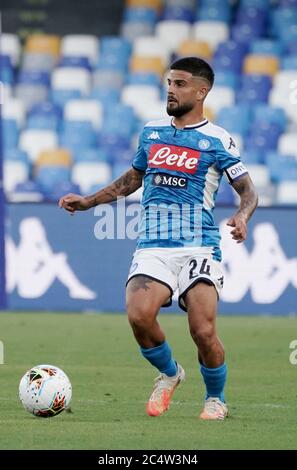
(183,169)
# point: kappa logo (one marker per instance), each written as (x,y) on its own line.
(154,135)
(161,179)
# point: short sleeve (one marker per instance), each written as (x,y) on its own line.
(140,159)
(228,158)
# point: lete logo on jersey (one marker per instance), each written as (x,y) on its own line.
(173,158)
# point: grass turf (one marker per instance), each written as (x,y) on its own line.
(111,382)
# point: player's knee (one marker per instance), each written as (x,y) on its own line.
(139,316)
(203,334)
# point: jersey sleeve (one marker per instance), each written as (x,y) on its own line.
(228,158)
(140,159)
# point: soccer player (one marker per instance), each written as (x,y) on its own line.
(181,160)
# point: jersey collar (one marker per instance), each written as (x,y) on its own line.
(191,126)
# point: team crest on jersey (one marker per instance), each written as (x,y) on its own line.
(203,144)
(173,158)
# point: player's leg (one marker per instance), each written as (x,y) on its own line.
(200,281)
(144,297)
(201,302)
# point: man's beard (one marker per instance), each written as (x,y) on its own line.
(179,111)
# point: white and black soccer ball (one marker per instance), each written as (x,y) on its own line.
(45,391)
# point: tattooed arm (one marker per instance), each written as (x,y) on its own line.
(123,186)
(248,203)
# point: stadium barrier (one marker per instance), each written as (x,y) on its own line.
(58,262)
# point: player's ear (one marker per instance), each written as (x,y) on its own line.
(202,92)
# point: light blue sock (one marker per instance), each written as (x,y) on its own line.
(161,358)
(214,379)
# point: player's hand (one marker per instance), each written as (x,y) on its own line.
(74,202)
(239,232)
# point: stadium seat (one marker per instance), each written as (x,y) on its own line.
(197,48)
(33,141)
(260,65)
(235,119)
(61,97)
(287,144)
(139,96)
(56,157)
(132,30)
(43,44)
(84,110)
(108,79)
(14,108)
(173,32)
(78,134)
(178,13)
(38,61)
(48,176)
(287,192)
(27,191)
(219,97)
(31,94)
(81,45)
(75,61)
(14,172)
(89,173)
(10,46)
(10,133)
(147,64)
(213,32)
(71,78)
(156,4)
(151,46)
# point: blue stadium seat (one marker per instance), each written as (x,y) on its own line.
(115,45)
(60,97)
(10,133)
(252,157)
(227,78)
(119,168)
(60,189)
(254,89)
(214,13)
(266,113)
(281,167)
(144,15)
(245,33)
(143,78)
(47,108)
(107,96)
(229,56)
(236,119)
(178,12)
(34,77)
(113,61)
(289,63)
(16,154)
(267,47)
(225,195)
(6,70)
(75,61)
(89,155)
(28,191)
(77,133)
(49,176)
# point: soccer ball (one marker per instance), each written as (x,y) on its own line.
(45,391)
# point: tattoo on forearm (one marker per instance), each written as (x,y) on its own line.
(248,196)
(140,282)
(123,186)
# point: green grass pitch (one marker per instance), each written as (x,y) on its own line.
(111,382)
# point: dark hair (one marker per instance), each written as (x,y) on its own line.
(197,67)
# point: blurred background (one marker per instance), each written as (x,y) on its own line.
(79,80)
